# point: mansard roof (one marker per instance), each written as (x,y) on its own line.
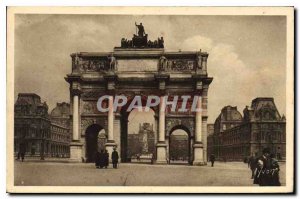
(30,104)
(229,113)
(28,99)
(61,110)
(264,108)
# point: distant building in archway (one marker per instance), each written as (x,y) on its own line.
(137,141)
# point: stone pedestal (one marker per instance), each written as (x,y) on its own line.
(76,152)
(109,146)
(198,154)
(161,153)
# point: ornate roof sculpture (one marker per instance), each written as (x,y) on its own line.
(139,55)
(140,40)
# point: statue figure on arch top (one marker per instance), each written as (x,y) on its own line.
(141,31)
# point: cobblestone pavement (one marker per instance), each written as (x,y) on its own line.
(83,174)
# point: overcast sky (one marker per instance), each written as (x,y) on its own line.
(247,54)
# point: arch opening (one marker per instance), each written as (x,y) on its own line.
(95,141)
(138,132)
(180,146)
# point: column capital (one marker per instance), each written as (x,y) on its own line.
(198,144)
(75,88)
(204,57)
(110,79)
(76,92)
(162,78)
(110,76)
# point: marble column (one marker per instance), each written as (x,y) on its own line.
(198,124)
(162,118)
(198,145)
(110,118)
(110,144)
(75,117)
(161,145)
(75,145)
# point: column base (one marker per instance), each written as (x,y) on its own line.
(76,152)
(161,155)
(109,146)
(198,154)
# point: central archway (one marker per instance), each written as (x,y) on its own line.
(138,133)
(95,141)
(180,145)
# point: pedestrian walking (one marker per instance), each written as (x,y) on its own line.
(252,163)
(115,158)
(18,156)
(102,159)
(106,159)
(246,160)
(97,160)
(275,171)
(212,159)
(22,151)
(152,158)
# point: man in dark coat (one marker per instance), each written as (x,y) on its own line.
(275,171)
(263,175)
(18,156)
(115,158)
(22,151)
(106,159)
(97,159)
(252,163)
(212,159)
(102,159)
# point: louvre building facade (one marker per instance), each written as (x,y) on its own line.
(36,132)
(235,136)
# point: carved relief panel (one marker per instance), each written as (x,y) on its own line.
(179,65)
(87,64)
(89,107)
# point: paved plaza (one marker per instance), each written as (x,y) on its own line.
(82,174)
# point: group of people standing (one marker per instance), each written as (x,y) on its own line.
(102,159)
(265,169)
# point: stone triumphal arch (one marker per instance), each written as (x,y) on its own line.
(139,67)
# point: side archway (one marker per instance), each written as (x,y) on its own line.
(95,140)
(180,151)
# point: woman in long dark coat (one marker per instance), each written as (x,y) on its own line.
(275,171)
(106,156)
(97,159)
(102,159)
